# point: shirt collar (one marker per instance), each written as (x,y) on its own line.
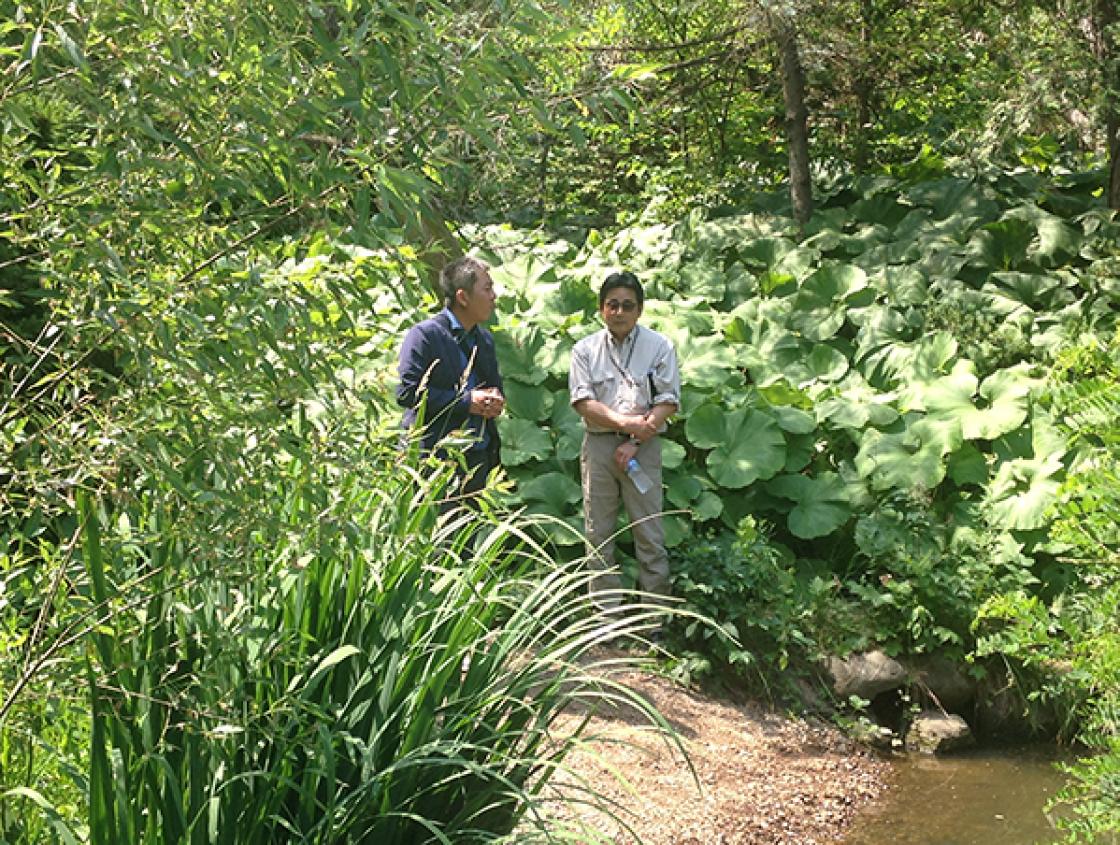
(626,341)
(456,326)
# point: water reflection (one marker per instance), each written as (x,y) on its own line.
(985,797)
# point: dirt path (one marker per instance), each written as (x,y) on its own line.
(764,779)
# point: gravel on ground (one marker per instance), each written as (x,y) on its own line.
(755,776)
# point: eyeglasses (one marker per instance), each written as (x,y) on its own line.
(625,306)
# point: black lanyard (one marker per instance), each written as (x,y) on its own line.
(623,371)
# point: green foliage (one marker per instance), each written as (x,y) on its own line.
(361,676)
(813,375)
(283,639)
(767,614)
(1067,642)
(985,336)
(920,582)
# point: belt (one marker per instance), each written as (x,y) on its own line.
(605,434)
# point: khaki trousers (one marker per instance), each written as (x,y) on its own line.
(604,484)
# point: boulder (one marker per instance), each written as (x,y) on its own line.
(943,683)
(866,675)
(935,732)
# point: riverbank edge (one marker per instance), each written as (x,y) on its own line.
(753,775)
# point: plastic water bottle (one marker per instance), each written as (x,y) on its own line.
(642,482)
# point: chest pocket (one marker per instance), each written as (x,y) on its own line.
(605,388)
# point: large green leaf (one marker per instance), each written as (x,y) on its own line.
(822,503)
(672,454)
(1002,245)
(794,420)
(951,196)
(553,489)
(1055,240)
(682,488)
(1038,291)
(881,208)
(911,459)
(708,506)
(567,426)
(704,360)
(753,448)
(676,529)
(764,252)
(703,281)
(741,283)
(800,450)
(523,441)
(855,404)
(521,351)
(968,465)
(1022,491)
(932,357)
(528,401)
(827,363)
(1001,403)
(706,427)
(904,286)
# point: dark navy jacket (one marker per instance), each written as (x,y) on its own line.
(432,358)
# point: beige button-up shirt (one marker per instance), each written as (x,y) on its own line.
(628,377)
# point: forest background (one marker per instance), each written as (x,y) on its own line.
(882,235)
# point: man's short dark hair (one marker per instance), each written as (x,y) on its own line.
(460,274)
(622,279)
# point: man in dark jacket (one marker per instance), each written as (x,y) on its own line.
(449,379)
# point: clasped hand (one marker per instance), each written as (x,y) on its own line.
(640,428)
(487,402)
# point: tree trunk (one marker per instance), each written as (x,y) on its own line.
(1105,22)
(797,120)
(864,85)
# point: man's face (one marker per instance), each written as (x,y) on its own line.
(477,304)
(620,311)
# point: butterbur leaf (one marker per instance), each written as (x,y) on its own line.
(704,362)
(527,401)
(1035,290)
(555,489)
(1002,245)
(1022,491)
(856,404)
(676,530)
(567,426)
(794,420)
(708,506)
(968,466)
(523,441)
(826,363)
(753,449)
(764,252)
(822,503)
(703,281)
(705,427)
(521,350)
(912,459)
(800,449)
(905,286)
(672,454)
(1000,405)
(682,488)
(932,357)
(1054,239)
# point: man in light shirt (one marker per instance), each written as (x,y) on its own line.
(625,383)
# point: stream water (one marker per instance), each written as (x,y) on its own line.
(983,797)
